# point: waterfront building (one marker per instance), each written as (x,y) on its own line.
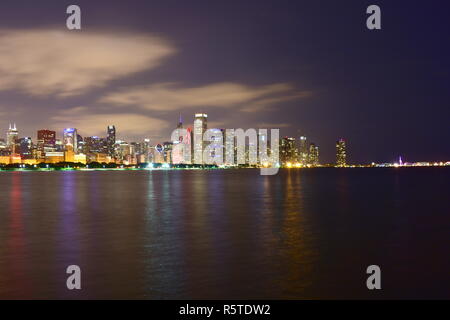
(111,140)
(303,156)
(313,154)
(11,137)
(200,126)
(341,153)
(288,151)
(213,153)
(230,148)
(46,142)
(167,151)
(70,139)
(25,147)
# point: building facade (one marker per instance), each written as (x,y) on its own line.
(341,153)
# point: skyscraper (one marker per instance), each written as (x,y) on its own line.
(47,137)
(93,145)
(46,142)
(303,151)
(341,153)
(200,125)
(230,147)
(288,151)
(70,139)
(25,147)
(11,137)
(214,155)
(111,140)
(313,154)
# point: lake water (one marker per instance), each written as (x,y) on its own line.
(226,234)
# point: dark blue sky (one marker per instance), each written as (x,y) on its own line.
(309,67)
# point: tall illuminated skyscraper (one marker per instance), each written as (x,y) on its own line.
(313,154)
(46,138)
(70,139)
(303,150)
(111,140)
(230,148)
(25,147)
(200,126)
(341,153)
(288,152)
(12,136)
(215,152)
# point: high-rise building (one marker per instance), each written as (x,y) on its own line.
(11,137)
(167,151)
(46,142)
(263,148)
(80,143)
(179,130)
(93,145)
(111,140)
(215,152)
(313,154)
(59,146)
(25,147)
(341,153)
(303,151)
(122,149)
(70,139)
(3,148)
(230,148)
(288,151)
(200,126)
(46,137)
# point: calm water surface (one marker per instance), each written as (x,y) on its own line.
(226,234)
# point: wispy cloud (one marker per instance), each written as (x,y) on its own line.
(172,96)
(64,63)
(268,102)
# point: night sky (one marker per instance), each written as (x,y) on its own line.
(307,67)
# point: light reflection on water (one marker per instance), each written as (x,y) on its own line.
(224,233)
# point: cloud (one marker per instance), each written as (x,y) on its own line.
(265,103)
(65,63)
(90,124)
(171,96)
(11,111)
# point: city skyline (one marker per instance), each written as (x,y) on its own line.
(225,144)
(273,66)
(302,150)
